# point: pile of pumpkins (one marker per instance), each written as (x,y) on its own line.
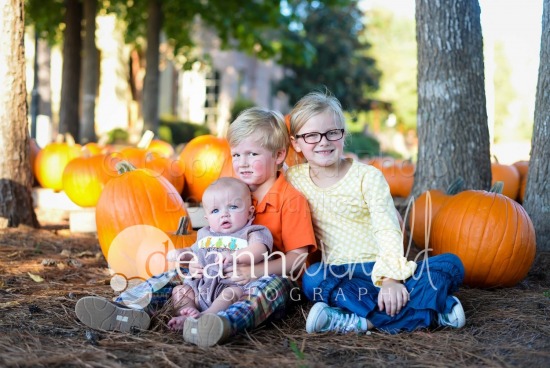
(142,185)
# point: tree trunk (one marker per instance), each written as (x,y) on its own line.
(537,193)
(453,137)
(70,75)
(152,75)
(90,72)
(15,171)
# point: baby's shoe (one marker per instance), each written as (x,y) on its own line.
(103,314)
(207,330)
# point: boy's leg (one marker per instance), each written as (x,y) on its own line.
(263,298)
(227,297)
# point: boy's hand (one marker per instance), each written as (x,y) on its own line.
(195,269)
(240,274)
(393,297)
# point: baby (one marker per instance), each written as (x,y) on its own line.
(230,238)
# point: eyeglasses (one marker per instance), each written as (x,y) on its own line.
(315,137)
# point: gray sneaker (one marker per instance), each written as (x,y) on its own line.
(323,318)
(455,318)
(103,314)
(207,330)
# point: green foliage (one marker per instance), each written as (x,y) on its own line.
(393,41)
(256,28)
(117,136)
(240,105)
(47,17)
(176,131)
(362,145)
(341,63)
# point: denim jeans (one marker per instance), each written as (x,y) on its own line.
(350,287)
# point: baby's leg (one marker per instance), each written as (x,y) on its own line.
(183,299)
(228,296)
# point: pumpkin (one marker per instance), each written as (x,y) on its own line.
(523,170)
(50,162)
(204,159)
(425,207)
(509,175)
(34,149)
(492,235)
(84,178)
(168,168)
(183,237)
(136,197)
(161,147)
(398,173)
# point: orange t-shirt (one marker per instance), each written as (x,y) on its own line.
(285,212)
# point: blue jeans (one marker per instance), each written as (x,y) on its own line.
(350,287)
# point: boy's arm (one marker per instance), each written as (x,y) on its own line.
(288,264)
(254,253)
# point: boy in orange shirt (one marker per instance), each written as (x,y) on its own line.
(259,142)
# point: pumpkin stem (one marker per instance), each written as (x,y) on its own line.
(124,167)
(497,187)
(146,139)
(455,186)
(182,226)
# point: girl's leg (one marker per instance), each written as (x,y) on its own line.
(430,288)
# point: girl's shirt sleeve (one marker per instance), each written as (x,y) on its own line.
(390,260)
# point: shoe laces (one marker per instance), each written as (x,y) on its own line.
(341,321)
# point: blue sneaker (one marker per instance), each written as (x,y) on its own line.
(322,318)
(455,318)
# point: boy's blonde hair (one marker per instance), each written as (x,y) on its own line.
(268,125)
(312,104)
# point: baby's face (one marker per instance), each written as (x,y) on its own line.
(227,210)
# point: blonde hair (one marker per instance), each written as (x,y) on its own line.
(268,125)
(313,104)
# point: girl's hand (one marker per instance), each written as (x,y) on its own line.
(393,297)
(240,274)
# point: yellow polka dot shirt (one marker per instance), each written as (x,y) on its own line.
(355,220)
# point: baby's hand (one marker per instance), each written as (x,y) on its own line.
(195,269)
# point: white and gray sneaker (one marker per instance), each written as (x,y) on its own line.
(456,318)
(323,318)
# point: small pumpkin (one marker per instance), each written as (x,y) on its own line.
(84,179)
(136,197)
(398,173)
(50,162)
(424,209)
(183,237)
(523,170)
(509,175)
(204,159)
(492,235)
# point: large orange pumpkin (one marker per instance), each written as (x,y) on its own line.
(425,207)
(136,197)
(491,233)
(205,159)
(50,163)
(84,178)
(398,173)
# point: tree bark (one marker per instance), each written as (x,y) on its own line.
(537,192)
(70,75)
(152,75)
(453,137)
(90,73)
(15,172)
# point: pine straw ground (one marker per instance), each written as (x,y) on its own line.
(38,327)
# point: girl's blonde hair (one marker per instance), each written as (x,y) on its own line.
(312,104)
(268,125)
